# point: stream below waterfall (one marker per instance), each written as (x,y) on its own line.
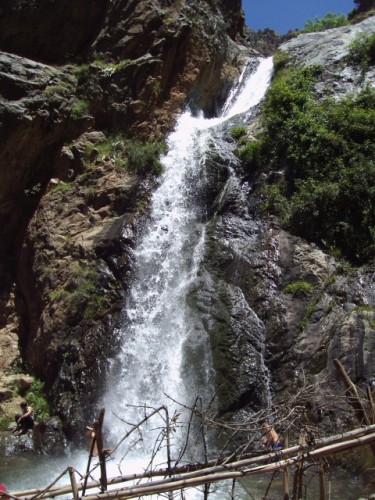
(165,359)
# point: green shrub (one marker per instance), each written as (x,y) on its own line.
(82,291)
(62,187)
(80,109)
(251,155)
(144,157)
(36,398)
(4,423)
(141,157)
(327,151)
(238,132)
(362,50)
(330,20)
(299,288)
(281,58)
(81,73)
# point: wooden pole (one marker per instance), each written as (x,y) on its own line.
(322,484)
(286,470)
(92,447)
(354,400)
(353,397)
(98,425)
(73,483)
(372,406)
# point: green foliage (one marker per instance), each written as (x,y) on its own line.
(81,291)
(330,20)
(81,73)
(281,58)
(307,315)
(36,398)
(62,187)
(299,288)
(364,308)
(109,68)
(141,157)
(238,132)
(144,157)
(250,153)
(80,109)
(4,423)
(327,150)
(362,50)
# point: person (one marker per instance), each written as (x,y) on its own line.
(25,421)
(270,438)
(3,490)
(90,435)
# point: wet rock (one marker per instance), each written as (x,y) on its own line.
(48,437)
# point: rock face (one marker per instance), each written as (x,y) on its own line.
(256,264)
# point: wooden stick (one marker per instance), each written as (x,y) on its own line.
(322,485)
(73,483)
(354,400)
(286,471)
(99,441)
(372,405)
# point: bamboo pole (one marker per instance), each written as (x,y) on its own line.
(354,400)
(179,483)
(372,405)
(286,471)
(357,437)
(322,485)
(98,425)
(73,483)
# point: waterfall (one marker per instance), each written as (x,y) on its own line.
(165,355)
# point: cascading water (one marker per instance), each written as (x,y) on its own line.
(166,352)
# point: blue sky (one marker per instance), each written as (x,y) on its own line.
(283,15)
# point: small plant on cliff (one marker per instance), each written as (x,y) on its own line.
(36,398)
(238,132)
(141,157)
(300,288)
(81,73)
(61,187)
(82,291)
(144,157)
(80,109)
(362,50)
(281,59)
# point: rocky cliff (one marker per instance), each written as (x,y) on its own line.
(80,88)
